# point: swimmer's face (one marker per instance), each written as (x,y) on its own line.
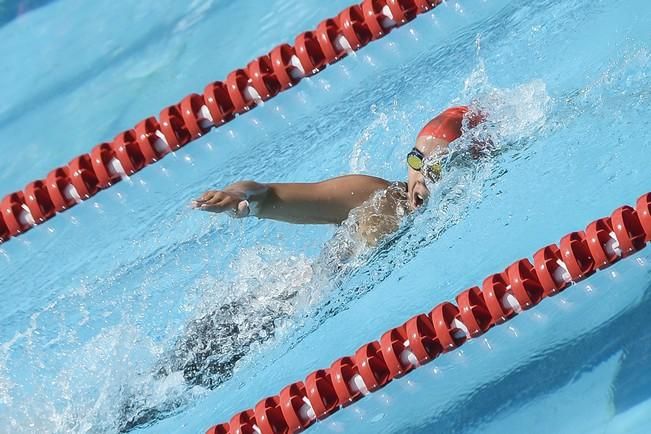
(417,191)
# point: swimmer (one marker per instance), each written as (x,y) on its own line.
(332,200)
(211,346)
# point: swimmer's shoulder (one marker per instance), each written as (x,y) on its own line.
(382,213)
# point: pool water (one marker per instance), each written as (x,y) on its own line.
(134,312)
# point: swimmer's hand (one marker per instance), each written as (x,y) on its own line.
(233,201)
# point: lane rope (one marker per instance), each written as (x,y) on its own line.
(178,124)
(424,337)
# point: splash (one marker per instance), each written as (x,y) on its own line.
(236,317)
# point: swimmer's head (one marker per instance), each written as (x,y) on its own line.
(423,166)
(423,161)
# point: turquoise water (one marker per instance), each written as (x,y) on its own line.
(115,311)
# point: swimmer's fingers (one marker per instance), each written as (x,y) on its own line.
(213,201)
(237,208)
(218,205)
(207,197)
(221,201)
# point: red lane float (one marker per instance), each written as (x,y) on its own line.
(295,407)
(151,142)
(551,270)
(4,230)
(329,36)
(309,53)
(178,124)
(602,243)
(38,201)
(496,292)
(14,213)
(643,208)
(576,255)
(269,416)
(353,27)
(372,367)
(473,311)
(127,151)
(394,345)
(628,230)
(262,77)
(343,373)
(446,328)
(422,338)
(82,178)
(526,288)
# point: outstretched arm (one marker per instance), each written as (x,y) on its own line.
(327,201)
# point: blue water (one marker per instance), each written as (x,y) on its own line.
(114,311)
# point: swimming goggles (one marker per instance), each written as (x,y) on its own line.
(416,160)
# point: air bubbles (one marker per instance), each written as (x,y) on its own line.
(385,399)
(325,85)
(369,60)
(336,426)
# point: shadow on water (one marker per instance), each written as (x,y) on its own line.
(12,9)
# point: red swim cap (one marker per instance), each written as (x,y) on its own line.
(447,125)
